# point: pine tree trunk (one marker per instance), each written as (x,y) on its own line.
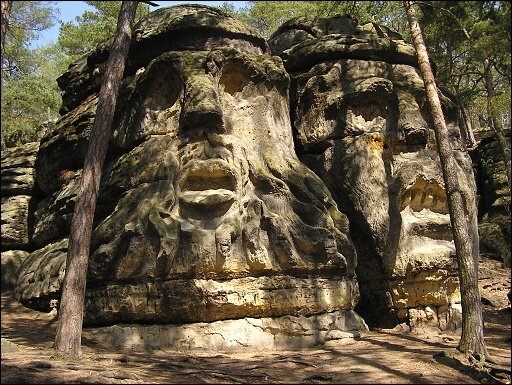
(465,124)
(472,340)
(69,329)
(6,11)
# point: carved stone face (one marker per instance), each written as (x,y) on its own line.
(362,124)
(218,192)
(370,120)
(374,147)
(204,211)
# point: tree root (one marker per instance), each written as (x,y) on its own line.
(485,364)
(498,373)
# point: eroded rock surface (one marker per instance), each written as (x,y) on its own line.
(18,196)
(361,123)
(494,194)
(205,212)
(11,262)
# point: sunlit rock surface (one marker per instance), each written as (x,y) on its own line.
(18,196)
(205,213)
(17,190)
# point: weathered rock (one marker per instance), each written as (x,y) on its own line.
(62,150)
(18,195)
(303,42)
(494,197)
(15,222)
(194,27)
(53,213)
(359,113)
(17,172)
(205,212)
(40,276)
(208,300)
(494,232)
(11,261)
(285,332)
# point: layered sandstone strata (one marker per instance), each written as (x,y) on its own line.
(18,200)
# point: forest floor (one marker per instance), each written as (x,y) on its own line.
(379,356)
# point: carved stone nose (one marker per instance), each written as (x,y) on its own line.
(411,123)
(201,107)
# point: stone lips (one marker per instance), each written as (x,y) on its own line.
(208,183)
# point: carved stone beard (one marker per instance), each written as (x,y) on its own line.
(209,211)
(223,215)
(277,236)
(249,228)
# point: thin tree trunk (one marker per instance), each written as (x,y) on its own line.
(495,121)
(6,11)
(465,122)
(472,340)
(69,329)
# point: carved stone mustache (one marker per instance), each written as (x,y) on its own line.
(211,174)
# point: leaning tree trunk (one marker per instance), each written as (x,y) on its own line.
(69,329)
(472,340)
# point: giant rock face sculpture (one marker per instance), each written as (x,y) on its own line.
(361,123)
(205,213)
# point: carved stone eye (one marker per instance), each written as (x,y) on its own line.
(163,89)
(151,106)
(234,78)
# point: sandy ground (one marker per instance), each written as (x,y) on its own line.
(379,356)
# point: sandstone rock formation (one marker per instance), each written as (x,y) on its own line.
(18,199)
(205,212)
(210,231)
(361,123)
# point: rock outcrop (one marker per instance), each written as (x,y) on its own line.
(361,123)
(247,199)
(18,199)
(205,213)
(494,197)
